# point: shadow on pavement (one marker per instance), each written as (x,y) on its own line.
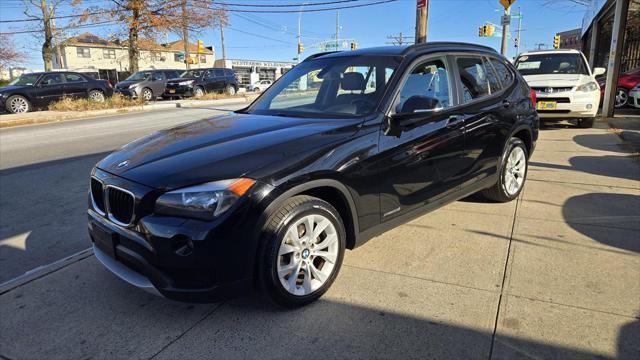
(109,319)
(43,213)
(602,142)
(622,167)
(589,213)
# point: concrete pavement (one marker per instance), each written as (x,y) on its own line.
(555,274)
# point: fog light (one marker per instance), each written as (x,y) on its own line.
(589,106)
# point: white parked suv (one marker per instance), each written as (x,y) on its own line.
(565,86)
(260,85)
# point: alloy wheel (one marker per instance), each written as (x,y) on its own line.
(621,98)
(231,91)
(19,105)
(307,255)
(96,96)
(198,92)
(147,94)
(515,170)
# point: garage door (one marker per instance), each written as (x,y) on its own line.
(243,74)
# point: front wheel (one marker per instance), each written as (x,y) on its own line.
(230,90)
(622,98)
(198,91)
(17,104)
(147,94)
(301,252)
(513,171)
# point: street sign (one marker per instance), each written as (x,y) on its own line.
(506,20)
(421,3)
(506,3)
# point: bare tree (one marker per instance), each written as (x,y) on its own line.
(8,53)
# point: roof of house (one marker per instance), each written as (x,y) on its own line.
(92,40)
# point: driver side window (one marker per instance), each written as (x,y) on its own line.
(426,88)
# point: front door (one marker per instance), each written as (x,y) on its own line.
(50,89)
(423,163)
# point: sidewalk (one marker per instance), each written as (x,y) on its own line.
(42,117)
(552,275)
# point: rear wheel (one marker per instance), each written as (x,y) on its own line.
(622,97)
(17,104)
(230,90)
(301,252)
(513,171)
(96,95)
(198,91)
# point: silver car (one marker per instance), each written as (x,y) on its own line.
(146,84)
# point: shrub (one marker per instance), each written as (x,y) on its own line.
(117,101)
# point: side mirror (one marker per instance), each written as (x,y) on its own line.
(599,71)
(397,123)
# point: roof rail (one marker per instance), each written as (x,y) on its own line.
(447,43)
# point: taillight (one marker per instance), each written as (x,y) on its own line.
(534,99)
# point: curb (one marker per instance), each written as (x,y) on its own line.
(43,271)
(55,116)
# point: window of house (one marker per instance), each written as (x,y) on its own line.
(473,78)
(177,58)
(83,52)
(109,53)
(203,59)
(156,57)
(426,87)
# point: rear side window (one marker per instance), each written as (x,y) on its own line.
(218,72)
(172,74)
(74,78)
(473,77)
(52,79)
(157,76)
(492,78)
(229,72)
(504,74)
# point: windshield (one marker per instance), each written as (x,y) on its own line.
(139,76)
(344,86)
(551,64)
(28,79)
(191,74)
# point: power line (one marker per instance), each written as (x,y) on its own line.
(306,10)
(100,23)
(288,5)
(260,36)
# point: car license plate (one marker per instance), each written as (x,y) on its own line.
(104,240)
(547,105)
(172,91)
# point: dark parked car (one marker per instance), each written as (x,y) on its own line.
(272,195)
(198,82)
(147,84)
(38,90)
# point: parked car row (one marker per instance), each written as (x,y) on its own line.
(37,90)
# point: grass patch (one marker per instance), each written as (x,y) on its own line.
(217,96)
(117,101)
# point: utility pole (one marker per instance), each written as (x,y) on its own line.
(519,30)
(224,52)
(422,14)
(337,29)
(505,30)
(400,39)
(185,33)
(615,57)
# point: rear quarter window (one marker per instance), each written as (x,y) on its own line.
(503,72)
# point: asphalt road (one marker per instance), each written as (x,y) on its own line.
(44,174)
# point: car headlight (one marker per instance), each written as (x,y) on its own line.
(205,201)
(182,83)
(590,86)
(132,86)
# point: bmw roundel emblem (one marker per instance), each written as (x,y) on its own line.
(123,164)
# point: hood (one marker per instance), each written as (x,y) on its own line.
(125,84)
(556,80)
(223,147)
(13,87)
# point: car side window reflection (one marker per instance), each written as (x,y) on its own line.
(52,79)
(426,88)
(473,77)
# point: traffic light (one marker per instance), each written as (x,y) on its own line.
(482,30)
(556,42)
(490,29)
(354,45)
(515,42)
(300,48)
(200,47)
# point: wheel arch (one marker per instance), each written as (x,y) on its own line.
(523,133)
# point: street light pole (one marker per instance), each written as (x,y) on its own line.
(505,31)
(519,30)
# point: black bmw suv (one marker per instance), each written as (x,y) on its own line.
(198,82)
(343,147)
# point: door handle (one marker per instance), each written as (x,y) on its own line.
(454,121)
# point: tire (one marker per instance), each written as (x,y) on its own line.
(586,123)
(503,191)
(198,91)
(96,95)
(622,98)
(283,252)
(147,94)
(18,104)
(230,90)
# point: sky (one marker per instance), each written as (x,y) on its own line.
(273,36)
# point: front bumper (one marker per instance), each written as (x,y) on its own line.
(126,92)
(181,259)
(570,104)
(179,90)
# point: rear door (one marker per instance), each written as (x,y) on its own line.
(210,80)
(488,113)
(75,85)
(220,80)
(421,165)
(158,80)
